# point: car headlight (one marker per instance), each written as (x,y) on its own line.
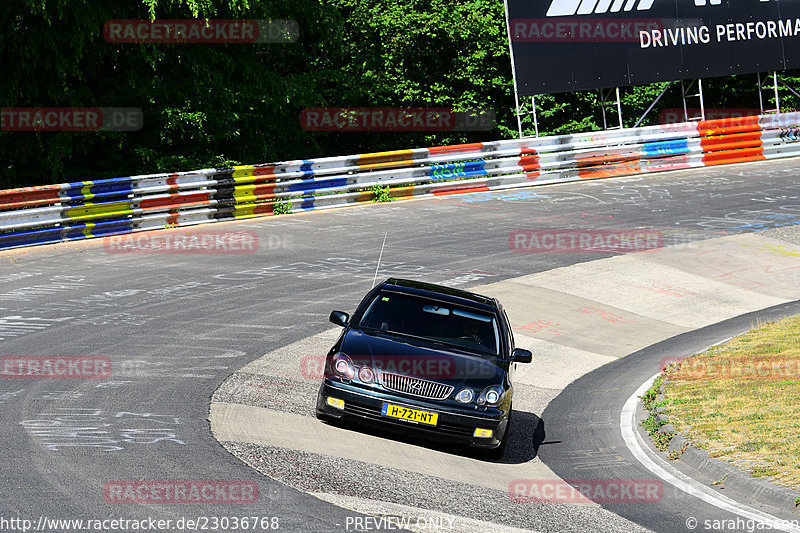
(491,396)
(465,395)
(366,374)
(342,366)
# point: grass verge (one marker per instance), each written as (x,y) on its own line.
(650,424)
(740,401)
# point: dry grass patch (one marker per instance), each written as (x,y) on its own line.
(740,401)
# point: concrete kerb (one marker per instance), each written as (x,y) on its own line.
(724,474)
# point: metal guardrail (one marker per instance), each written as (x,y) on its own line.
(86,209)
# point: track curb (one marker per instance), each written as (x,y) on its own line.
(725,474)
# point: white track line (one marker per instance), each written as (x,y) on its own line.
(668,473)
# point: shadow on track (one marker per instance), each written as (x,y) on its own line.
(526,435)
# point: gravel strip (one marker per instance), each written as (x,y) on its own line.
(788,233)
(270,392)
(319,473)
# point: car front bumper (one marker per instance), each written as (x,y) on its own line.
(364,406)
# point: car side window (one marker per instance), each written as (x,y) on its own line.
(511,344)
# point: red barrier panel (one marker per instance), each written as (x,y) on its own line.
(731,140)
(456,148)
(733,156)
(29,196)
(176,199)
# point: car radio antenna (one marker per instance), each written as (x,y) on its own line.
(379,258)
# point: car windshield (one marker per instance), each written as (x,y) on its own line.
(433,321)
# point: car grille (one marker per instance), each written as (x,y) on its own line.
(421,388)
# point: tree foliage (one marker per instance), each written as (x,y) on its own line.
(212,104)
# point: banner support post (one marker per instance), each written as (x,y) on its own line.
(653,104)
(699,94)
(762,87)
(789,88)
(604,102)
(514,78)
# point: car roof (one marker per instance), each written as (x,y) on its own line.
(440,292)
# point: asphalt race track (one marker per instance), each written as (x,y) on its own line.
(569,436)
(175,326)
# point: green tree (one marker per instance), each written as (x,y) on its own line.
(214,104)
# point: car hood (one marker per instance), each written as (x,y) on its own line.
(418,359)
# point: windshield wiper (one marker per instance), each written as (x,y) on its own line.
(457,347)
(392,333)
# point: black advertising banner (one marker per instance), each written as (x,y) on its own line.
(571,45)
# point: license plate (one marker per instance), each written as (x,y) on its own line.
(412,415)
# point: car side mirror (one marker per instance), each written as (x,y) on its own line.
(521,356)
(339,318)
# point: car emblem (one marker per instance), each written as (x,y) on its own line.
(415,386)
